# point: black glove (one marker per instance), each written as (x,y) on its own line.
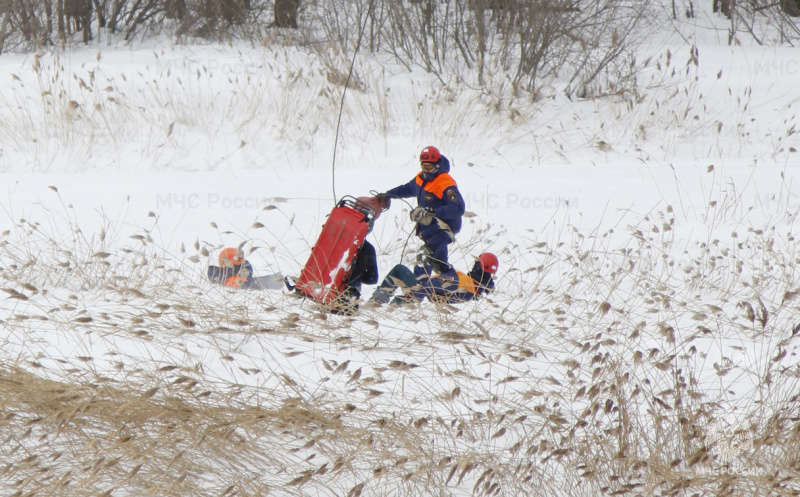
(383,197)
(421,215)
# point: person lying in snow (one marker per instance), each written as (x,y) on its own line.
(451,287)
(233,270)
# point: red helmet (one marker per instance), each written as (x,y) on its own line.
(430,154)
(231,257)
(488,262)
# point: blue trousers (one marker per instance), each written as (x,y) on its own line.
(437,248)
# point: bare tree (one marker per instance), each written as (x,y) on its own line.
(175,9)
(527,39)
(791,7)
(78,13)
(286,12)
(723,6)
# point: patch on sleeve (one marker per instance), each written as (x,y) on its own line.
(452,197)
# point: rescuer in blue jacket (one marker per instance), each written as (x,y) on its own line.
(440,206)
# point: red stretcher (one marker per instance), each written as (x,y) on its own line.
(326,270)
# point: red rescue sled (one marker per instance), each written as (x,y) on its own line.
(325,273)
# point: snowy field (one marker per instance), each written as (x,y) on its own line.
(642,338)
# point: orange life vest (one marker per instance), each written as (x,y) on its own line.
(439,184)
(235,282)
(466,283)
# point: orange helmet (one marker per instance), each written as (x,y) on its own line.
(231,257)
(430,154)
(488,262)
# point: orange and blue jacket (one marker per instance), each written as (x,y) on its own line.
(230,276)
(454,286)
(439,192)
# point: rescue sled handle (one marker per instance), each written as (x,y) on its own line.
(371,207)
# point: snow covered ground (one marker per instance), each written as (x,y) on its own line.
(645,301)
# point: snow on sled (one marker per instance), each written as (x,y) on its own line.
(324,276)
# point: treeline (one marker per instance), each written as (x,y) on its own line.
(514,44)
(34,23)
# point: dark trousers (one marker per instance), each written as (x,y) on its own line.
(437,248)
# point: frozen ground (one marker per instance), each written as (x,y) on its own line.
(641,338)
